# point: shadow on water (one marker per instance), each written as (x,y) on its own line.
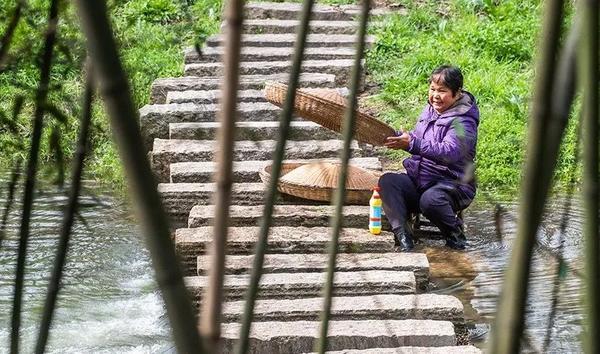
(475,276)
(109,302)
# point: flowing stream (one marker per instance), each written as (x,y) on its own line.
(109,302)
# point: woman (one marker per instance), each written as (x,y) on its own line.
(438,181)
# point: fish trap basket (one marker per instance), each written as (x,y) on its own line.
(318,181)
(327,108)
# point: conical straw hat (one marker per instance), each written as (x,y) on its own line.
(327,108)
(317,181)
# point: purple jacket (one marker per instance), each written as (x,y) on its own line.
(443,146)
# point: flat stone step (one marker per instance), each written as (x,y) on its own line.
(262,54)
(155,118)
(291,11)
(340,68)
(299,285)
(317,262)
(160,87)
(247,171)
(247,130)
(457,349)
(313,40)
(291,26)
(193,242)
(165,151)
(213,96)
(354,216)
(300,336)
(373,307)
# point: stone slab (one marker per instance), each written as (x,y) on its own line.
(155,118)
(300,336)
(291,11)
(160,87)
(247,171)
(374,307)
(193,242)
(458,349)
(166,151)
(268,54)
(317,262)
(300,285)
(213,96)
(354,216)
(299,130)
(340,68)
(291,26)
(313,40)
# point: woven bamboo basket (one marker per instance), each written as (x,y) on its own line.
(327,108)
(317,181)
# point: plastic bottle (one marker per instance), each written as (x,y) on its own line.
(375,212)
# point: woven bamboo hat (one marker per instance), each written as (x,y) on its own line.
(327,108)
(317,181)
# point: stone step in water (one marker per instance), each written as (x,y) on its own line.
(155,118)
(299,130)
(458,349)
(165,152)
(340,68)
(373,307)
(247,171)
(291,26)
(313,40)
(268,54)
(317,262)
(292,11)
(213,96)
(193,242)
(298,285)
(300,336)
(354,216)
(160,87)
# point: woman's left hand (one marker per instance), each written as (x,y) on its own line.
(398,142)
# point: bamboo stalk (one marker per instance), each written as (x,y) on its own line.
(509,323)
(210,315)
(113,86)
(265,223)
(40,103)
(10,30)
(11,187)
(340,192)
(589,78)
(69,217)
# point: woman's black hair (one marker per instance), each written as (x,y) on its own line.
(449,76)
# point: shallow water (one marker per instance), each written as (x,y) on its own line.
(109,302)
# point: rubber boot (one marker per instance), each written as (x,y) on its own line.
(456,240)
(403,239)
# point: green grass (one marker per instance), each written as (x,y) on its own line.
(494,45)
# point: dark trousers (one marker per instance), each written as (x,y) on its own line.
(439,203)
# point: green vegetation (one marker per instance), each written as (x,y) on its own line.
(493,42)
(151,34)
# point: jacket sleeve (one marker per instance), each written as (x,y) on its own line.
(461,135)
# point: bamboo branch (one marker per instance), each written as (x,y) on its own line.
(10,30)
(69,217)
(113,86)
(340,192)
(509,323)
(12,186)
(40,103)
(589,78)
(265,223)
(210,315)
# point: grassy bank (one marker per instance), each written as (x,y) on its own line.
(494,44)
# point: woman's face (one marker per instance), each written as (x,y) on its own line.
(441,97)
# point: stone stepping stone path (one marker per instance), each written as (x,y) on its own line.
(379,304)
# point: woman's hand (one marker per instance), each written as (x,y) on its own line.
(398,142)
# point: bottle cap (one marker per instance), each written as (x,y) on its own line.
(377,189)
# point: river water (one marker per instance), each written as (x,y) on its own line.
(109,302)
